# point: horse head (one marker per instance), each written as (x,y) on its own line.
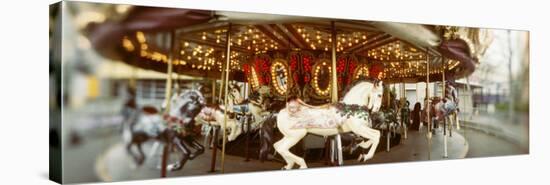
(365,93)
(234,93)
(188,104)
(257,99)
(374,98)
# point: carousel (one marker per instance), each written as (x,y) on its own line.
(276,80)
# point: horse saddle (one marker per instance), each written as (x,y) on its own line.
(304,104)
(308,116)
(149,110)
(207,114)
(240,109)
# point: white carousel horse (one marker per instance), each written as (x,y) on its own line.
(298,119)
(254,105)
(214,115)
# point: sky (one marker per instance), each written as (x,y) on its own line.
(493,69)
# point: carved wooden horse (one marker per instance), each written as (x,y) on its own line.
(143,124)
(446,108)
(236,105)
(298,119)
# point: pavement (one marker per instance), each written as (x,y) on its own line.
(100,156)
(514,129)
(491,146)
(116,165)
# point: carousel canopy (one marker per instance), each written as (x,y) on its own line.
(395,52)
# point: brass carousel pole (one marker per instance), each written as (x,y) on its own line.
(216,129)
(388,105)
(227,64)
(445,154)
(167,95)
(208,137)
(222,77)
(417,93)
(428,104)
(403,101)
(213,91)
(334,88)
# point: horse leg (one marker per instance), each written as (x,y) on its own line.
(185,154)
(199,149)
(364,145)
(450,120)
(235,131)
(129,150)
(232,130)
(154,149)
(207,135)
(283,151)
(264,146)
(142,155)
(368,133)
(282,147)
(455,117)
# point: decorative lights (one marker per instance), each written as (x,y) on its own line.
(322,64)
(279,76)
(361,71)
(395,50)
(203,50)
(127,44)
(318,38)
(140,37)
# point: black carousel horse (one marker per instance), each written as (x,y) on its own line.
(143,124)
(268,127)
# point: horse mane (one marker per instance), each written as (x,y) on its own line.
(354,83)
(358,84)
(214,106)
(234,86)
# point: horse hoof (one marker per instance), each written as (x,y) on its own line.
(360,157)
(365,158)
(175,167)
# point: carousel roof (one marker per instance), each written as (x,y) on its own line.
(142,38)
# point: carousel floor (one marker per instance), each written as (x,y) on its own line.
(116,165)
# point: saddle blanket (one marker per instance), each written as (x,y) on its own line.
(150,124)
(207,114)
(306,117)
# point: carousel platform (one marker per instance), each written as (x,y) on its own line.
(116,165)
(415,148)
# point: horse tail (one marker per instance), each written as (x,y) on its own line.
(267,136)
(127,126)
